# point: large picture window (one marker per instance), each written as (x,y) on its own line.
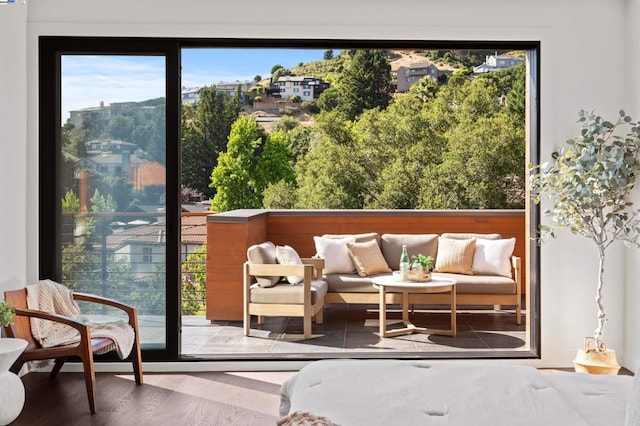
(148,135)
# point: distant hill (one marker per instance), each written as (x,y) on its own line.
(323,69)
(444,59)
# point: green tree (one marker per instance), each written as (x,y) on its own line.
(280,72)
(328,54)
(70,202)
(334,173)
(274,163)
(279,195)
(366,83)
(156,131)
(299,141)
(516,97)
(205,136)
(482,169)
(286,123)
(249,166)
(118,189)
(194,282)
(329,99)
(232,177)
(121,127)
(102,204)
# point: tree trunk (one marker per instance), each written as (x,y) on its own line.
(602,316)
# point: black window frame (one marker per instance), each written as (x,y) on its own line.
(50,49)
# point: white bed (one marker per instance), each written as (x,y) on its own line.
(393,392)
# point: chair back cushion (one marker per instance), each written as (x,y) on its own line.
(263,253)
(426,244)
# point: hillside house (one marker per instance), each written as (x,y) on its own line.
(406,76)
(307,88)
(497,62)
(191,95)
(142,113)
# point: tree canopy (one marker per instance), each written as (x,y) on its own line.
(205,136)
(365,83)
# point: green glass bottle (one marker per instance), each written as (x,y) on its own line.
(404,262)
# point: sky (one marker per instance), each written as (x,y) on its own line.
(88,80)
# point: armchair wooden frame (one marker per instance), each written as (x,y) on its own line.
(310,269)
(21,328)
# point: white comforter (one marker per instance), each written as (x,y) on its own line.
(391,392)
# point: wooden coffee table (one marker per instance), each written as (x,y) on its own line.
(385,283)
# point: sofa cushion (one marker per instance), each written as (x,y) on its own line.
(466,284)
(287,255)
(349,283)
(469,235)
(426,244)
(480,284)
(493,257)
(285,293)
(367,258)
(455,256)
(263,253)
(335,254)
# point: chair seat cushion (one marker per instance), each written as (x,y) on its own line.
(285,293)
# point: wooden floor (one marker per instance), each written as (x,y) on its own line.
(203,398)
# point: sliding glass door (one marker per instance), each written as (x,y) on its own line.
(109,223)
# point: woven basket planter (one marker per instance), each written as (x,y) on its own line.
(596,360)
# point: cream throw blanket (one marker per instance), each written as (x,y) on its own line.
(50,296)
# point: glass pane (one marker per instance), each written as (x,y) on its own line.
(112,185)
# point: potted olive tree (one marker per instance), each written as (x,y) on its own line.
(587,184)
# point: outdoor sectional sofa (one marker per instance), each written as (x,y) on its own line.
(330,277)
(475,289)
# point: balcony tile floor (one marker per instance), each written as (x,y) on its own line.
(353,330)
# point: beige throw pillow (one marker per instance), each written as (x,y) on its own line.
(367,258)
(264,253)
(455,256)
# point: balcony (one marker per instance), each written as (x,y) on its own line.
(348,329)
(121,255)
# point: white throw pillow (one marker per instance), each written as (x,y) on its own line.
(335,254)
(493,257)
(287,255)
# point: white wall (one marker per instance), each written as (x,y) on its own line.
(575,73)
(632,258)
(13,146)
